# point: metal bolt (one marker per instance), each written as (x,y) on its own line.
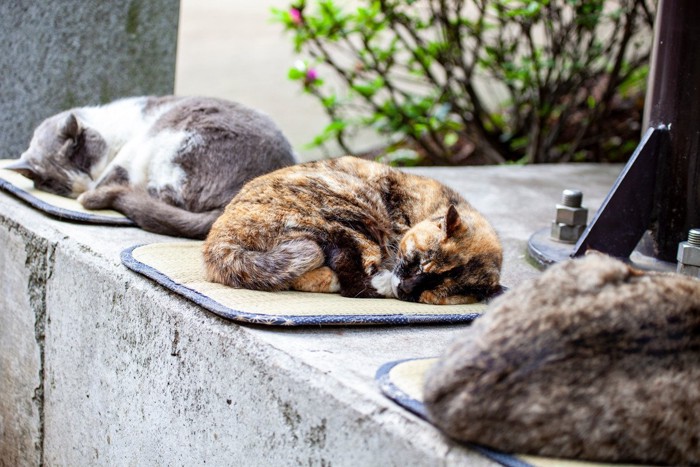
(566,233)
(571,218)
(689,255)
(571,198)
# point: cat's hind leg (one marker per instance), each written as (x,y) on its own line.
(325,280)
(322,280)
(149,213)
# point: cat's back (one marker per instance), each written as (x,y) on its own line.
(311,186)
(313,196)
(208,113)
(346,183)
(226,130)
(221,127)
(345,179)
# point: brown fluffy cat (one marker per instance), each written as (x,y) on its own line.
(356,227)
(171,164)
(592,360)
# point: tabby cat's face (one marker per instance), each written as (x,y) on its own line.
(61,156)
(444,261)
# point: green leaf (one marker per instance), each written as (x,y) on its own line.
(296,74)
(590,102)
(401,157)
(330,102)
(451,139)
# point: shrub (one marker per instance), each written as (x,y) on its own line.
(480,81)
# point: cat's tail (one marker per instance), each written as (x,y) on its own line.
(151,214)
(232,264)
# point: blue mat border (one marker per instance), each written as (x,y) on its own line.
(217,308)
(393,392)
(61,213)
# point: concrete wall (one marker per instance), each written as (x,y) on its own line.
(66,53)
(25,263)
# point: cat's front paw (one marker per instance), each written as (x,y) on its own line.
(100,198)
(432,298)
(381,282)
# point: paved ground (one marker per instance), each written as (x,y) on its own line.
(231,49)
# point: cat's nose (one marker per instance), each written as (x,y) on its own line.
(407,285)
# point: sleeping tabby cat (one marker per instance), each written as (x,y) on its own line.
(356,227)
(171,164)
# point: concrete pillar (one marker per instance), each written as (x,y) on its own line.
(53,56)
(66,53)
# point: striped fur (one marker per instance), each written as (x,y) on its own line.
(357,227)
(592,360)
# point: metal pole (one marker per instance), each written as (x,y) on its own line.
(673,100)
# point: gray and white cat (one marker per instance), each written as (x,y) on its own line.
(171,164)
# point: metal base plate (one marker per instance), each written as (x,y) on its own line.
(545,252)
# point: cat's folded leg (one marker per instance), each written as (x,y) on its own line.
(354,282)
(149,213)
(101,198)
(322,280)
(371,256)
(377,272)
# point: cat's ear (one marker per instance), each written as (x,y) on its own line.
(453,222)
(70,128)
(21,167)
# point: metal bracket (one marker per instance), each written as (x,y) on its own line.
(626,212)
(624,216)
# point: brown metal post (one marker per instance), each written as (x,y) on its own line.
(673,100)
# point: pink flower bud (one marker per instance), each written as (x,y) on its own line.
(311,76)
(295,15)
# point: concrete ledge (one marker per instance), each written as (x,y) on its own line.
(99,366)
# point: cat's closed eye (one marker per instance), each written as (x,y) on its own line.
(408,266)
(30,174)
(427,266)
(52,186)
